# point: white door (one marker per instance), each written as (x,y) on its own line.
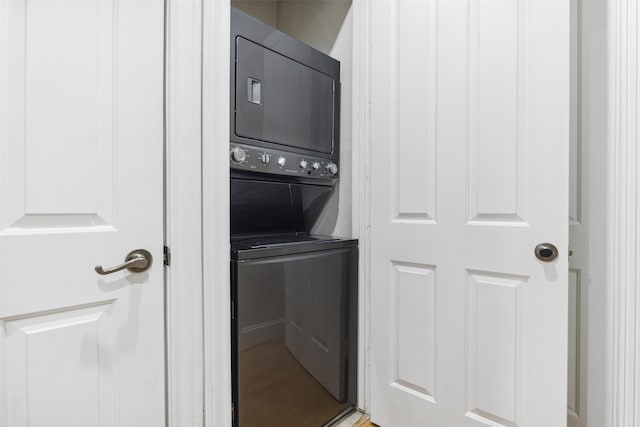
(469,145)
(81,184)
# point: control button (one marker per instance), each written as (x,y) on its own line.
(315,165)
(264,158)
(303,164)
(332,168)
(282,161)
(238,155)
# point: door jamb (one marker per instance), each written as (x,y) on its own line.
(198,378)
(215,213)
(624,223)
(183,214)
(361,221)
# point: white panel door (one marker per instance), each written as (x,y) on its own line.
(81,184)
(469,172)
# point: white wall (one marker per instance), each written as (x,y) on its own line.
(266,11)
(318,23)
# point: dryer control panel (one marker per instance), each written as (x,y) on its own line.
(253,159)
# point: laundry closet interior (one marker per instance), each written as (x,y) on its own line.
(294,268)
(326,26)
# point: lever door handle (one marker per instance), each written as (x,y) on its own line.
(136,262)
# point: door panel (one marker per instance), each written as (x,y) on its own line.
(469,128)
(81,184)
(496,342)
(413,160)
(497,123)
(414,328)
(82,366)
(58,119)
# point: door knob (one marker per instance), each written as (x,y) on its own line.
(546,252)
(136,262)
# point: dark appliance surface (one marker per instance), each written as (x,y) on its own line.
(265,207)
(294,327)
(293,293)
(285,103)
(294,308)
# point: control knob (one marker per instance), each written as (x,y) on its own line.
(264,158)
(315,165)
(282,161)
(238,155)
(303,164)
(332,168)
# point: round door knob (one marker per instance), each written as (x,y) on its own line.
(238,155)
(332,168)
(303,164)
(282,161)
(546,252)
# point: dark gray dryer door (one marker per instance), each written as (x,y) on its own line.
(282,101)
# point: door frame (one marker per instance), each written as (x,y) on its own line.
(623,264)
(361,167)
(197,301)
(215,212)
(184,355)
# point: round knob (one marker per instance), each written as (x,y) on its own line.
(332,168)
(282,161)
(238,155)
(264,157)
(315,165)
(303,164)
(546,252)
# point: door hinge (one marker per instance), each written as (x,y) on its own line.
(167,256)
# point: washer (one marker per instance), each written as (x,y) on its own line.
(294,329)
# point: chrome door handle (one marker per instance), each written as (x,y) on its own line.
(136,262)
(546,252)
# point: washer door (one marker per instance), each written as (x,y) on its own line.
(292,321)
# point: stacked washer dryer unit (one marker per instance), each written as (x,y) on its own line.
(294,303)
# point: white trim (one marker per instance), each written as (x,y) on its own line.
(361,185)
(625,261)
(215,212)
(183,176)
